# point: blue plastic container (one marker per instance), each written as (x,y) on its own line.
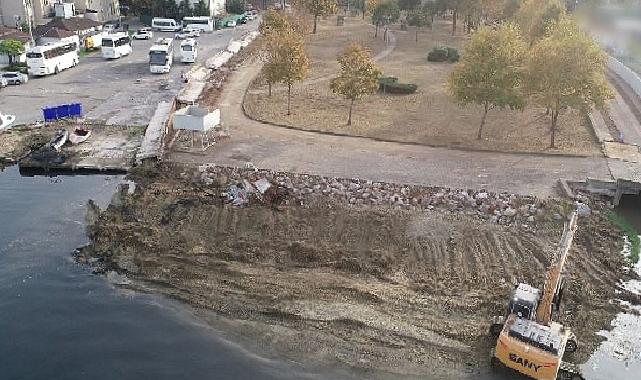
(50,113)
(75,109)
(63,111)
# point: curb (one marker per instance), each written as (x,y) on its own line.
(406,143)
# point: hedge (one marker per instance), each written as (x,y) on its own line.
(443,54)
(390,85)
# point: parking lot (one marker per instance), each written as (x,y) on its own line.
(118,92)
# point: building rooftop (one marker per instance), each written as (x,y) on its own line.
(52,32)
(73,24)
(13,34)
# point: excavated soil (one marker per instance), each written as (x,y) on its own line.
(408,292)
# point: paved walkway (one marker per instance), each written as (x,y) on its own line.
(282,149)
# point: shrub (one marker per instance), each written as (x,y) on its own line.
(386,81)
(390,85)
(452,54)
(443,54)
(438,54)
(21,67)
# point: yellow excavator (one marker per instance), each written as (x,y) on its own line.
(528,341)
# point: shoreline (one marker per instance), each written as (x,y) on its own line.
(310,272)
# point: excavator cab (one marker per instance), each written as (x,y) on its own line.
(524,301)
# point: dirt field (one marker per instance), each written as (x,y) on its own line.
(401,291)
(430,116)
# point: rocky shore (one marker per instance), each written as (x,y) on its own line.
(386,277)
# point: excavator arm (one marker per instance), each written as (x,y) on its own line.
(553,278)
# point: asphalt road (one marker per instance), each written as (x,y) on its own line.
(120,91)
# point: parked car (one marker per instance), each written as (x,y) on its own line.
(192,30)
(3,83)
(231,23)
(243,20)
(182,35)
(143,34)
(109,28)
(14,77)
(187,33)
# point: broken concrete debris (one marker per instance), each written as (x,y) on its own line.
(251,184)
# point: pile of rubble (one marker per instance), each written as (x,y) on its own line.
(246,185)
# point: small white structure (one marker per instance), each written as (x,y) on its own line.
(64,10)
(197,121)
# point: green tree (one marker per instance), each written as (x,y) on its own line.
(510,8)
(289,60)
(12,48)
(170,9)
(185,8)
(320,8)
(358,76)
(385,13)
(274,22)
(489,73)
(535,16)
(408,5)
(566,69)
(235,6)
(419,18)
(201,8)
(273,25)
(366,6)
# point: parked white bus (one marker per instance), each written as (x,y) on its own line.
(165,24)
(51,58)
(115,45)
(161,56)
(204,23)
(188,50)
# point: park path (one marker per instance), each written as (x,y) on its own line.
(282,149)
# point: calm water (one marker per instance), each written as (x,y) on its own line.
(619,357)
(57,321)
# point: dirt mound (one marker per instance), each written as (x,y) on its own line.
(391,289)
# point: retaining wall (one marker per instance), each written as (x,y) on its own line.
(629,76)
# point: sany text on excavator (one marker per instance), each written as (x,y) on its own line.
(528,341)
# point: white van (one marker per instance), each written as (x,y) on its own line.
(116,45)
(165,24)
(188,51)
(203,23)
(161,56)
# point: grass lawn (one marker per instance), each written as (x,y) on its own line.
(429,116)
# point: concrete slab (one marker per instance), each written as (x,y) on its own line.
(625,120)
(191,92)
(630,171)
(600,127)
(625,152)
(108,148)
(152,143)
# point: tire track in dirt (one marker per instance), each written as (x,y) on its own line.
(400,287)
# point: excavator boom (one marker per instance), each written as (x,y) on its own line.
(553,279)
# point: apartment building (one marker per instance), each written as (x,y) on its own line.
(15,12)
